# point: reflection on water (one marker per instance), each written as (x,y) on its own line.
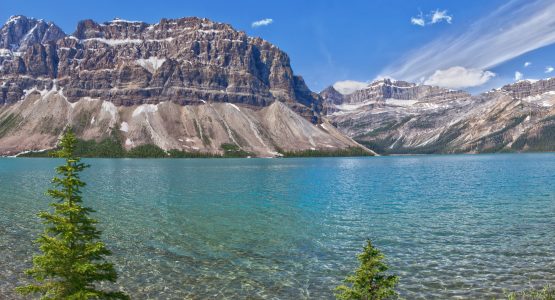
(466,226)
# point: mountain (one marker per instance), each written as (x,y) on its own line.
(396,117)
(190,84)
(20,32)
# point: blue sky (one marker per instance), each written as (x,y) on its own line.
(472,45)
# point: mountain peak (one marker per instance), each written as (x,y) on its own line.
(20,31)
(15,19)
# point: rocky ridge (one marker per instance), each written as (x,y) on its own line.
(393,117)
(189,84)
(185,61)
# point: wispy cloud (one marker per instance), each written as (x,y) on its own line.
(527,64)
(518,76)
(433,17)
(515,28)
(441,15)
(549,69)
(263,22)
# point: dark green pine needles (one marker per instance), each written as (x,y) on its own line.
(369,282)
(72,262)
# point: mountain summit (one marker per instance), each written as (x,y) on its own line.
(189,83)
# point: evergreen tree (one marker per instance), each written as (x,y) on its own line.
(369,282)
(72,262)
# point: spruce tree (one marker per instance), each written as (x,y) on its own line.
(369,282)
(72,261)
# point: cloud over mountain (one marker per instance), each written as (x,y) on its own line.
(459,77)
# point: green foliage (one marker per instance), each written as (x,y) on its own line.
(109,147)
(546,293)
(72,260)
(147,150)
(174,153)
(369,282)
(112,148)
(232,150)
(544,140)
(351,151)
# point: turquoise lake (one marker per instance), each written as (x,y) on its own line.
(451,226)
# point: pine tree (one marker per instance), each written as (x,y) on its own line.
(72,262)
(369,282)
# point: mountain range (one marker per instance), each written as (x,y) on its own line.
(397,117)
(193,85)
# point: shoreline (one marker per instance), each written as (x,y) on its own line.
(285,157)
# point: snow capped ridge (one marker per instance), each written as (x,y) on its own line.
(348,87)
(118,20)
(528,80)
(387,93)
(14,19)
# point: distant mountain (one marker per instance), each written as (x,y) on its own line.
(189,84)
(396,117)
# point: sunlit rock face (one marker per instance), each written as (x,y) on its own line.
(397,117)
(189,84)
(129,63)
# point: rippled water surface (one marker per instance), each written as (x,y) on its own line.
(456,226)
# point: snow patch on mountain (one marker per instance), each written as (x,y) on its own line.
(152,64)
(145,108)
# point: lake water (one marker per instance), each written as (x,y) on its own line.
(458,226)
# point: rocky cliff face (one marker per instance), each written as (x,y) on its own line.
(424,119)
(383,90)
(187,84)
(185,61)
(527,88)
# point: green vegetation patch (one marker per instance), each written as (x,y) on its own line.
(147,150)
(113,148)
(544,140)
(232,150)
(546,293)
(351,151)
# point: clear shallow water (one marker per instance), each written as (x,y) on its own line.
(457,226)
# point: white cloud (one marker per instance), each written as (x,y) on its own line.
(459,77)
(263,22)
(349,86)
(518,76)
(418,20)
(527,64)
(515,28)
(440,15)
(549,69)
(434,17)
